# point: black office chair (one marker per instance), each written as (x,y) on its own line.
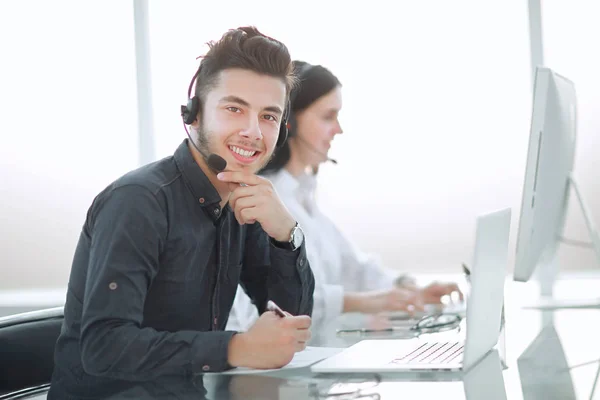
(27,348)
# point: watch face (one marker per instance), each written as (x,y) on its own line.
(298,237)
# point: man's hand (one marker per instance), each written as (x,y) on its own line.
(396,299)
(271,342)
(257,200)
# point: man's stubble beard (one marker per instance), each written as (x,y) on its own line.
(203,144)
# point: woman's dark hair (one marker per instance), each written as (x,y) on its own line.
(313,82)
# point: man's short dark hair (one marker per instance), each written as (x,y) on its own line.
(245,48)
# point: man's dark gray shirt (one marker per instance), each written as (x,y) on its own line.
(153,280)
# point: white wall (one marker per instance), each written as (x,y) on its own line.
(67,127)
(436,115)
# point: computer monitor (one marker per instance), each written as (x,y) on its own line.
(549,175)
(549,164)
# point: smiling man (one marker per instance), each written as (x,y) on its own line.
(163,247)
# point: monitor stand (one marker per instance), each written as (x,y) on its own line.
(547,273)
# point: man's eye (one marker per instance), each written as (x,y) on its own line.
(271,117)
(233,109)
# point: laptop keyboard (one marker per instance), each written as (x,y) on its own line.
(431,353)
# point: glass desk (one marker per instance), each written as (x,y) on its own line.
(540,355)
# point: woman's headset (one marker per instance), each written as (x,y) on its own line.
(291,120)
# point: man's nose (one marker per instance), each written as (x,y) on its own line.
(252,130)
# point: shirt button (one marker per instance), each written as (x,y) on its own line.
(302,262)
(217,211)
(112,285)
(206,368)
(201,200)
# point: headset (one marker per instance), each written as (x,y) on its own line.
(291,124)
(190,111)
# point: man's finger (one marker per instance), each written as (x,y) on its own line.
(243,203)
(249,215)
(238,217)
(241,192)
(299,322)
(238,210)
(299,346)
(303,335)
(239,177)
(234,186)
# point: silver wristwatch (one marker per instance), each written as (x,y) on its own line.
(296,237)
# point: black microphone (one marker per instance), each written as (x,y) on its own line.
(312,148)
(216,162)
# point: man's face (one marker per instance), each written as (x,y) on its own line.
(240,119)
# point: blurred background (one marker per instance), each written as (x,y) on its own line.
(436,116)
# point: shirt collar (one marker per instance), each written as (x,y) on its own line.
(284,181)
(303,187)
(303,183)
(195,179)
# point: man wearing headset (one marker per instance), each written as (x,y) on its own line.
(164,247)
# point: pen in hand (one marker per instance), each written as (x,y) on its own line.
(271,306)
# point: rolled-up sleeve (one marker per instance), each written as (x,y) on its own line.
(128,229)
(281,275)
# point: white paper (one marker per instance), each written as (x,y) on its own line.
(304,358)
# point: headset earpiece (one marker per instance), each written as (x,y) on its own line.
(284,127)
(189,113)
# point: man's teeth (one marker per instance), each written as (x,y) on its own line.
(241,152)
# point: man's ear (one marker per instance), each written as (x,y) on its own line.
(196,122)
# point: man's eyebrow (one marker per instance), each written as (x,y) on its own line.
(274,109)
(235,99)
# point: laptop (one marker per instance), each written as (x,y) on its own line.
(484,313)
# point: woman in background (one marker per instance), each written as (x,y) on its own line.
(346,280)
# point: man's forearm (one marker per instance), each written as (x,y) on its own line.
(124,351)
